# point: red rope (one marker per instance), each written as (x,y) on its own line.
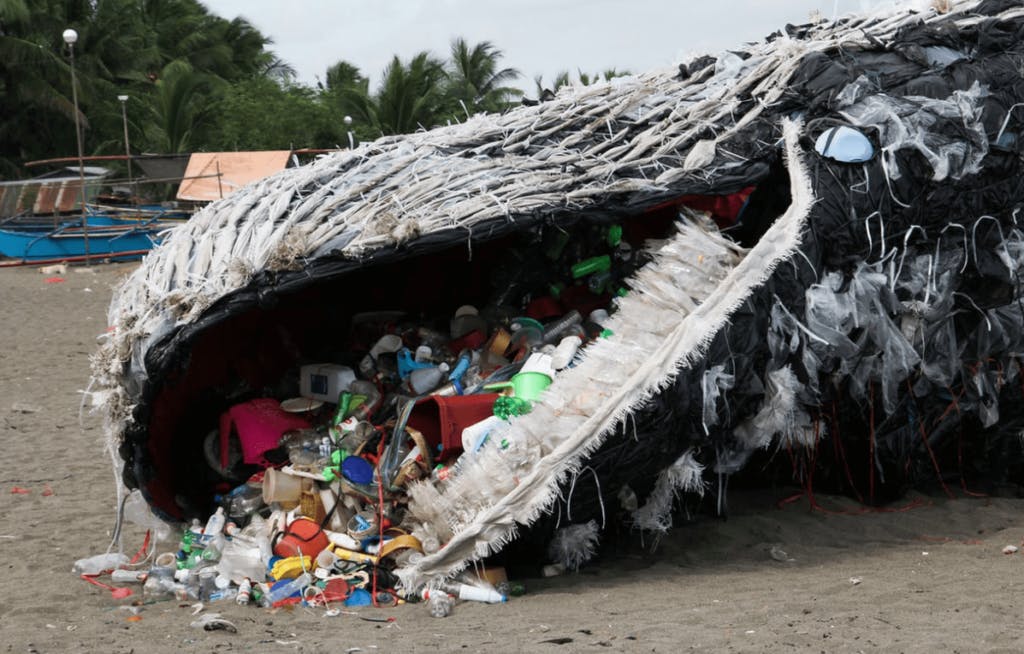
(142,550)
(927,445)
(118,593)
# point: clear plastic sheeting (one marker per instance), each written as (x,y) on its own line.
(714,383)
(914,122)
(885,321)
(780,414)
(685,475)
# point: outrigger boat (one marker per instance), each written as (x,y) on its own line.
(42,219)
(100,238)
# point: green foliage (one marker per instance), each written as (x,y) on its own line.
(180,107)
(474,82)
(261,114)
(170,57)
(197,81)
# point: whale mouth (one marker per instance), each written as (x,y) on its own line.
(252,344)
(256,351)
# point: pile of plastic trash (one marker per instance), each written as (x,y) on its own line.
(317,517)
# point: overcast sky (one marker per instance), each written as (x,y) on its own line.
(538,37)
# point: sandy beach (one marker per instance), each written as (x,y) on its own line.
(930,578)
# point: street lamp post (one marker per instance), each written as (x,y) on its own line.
(70,37)
(127,151)
(348,125)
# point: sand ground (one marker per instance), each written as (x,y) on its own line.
(924,580)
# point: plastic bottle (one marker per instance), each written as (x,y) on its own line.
(474,593)
(342,540)
(554,330)
(244,501)
(129,576)
(94,565)
(474,435)
(214,548)
(223,594)
(156,587)
(440,604)
(424,380)
(566,350)
(214,526)
(207,582)
(461,366)
(244,592)
(284,591)
(259,591)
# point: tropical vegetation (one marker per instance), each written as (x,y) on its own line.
(195,81)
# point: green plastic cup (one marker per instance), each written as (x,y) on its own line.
(529,385)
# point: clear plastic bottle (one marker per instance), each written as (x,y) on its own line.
(129,576)
(206,580)
(224,594)
(214,548)
(284,591)
(439,603)
(96,564)
(214,526)
(156,587)
(244,501)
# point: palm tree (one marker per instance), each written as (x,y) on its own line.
(36,113)
(410,97)
(179,107)
(475,81)
(347,93)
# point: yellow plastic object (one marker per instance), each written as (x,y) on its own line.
(291,567)
(356,557)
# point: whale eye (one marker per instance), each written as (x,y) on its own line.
(844,144)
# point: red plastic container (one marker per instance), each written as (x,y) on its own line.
(259,425)
(442,419)
(303,537)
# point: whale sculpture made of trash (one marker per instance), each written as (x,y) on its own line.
(864,314)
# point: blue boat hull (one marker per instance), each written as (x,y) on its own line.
(108,238)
